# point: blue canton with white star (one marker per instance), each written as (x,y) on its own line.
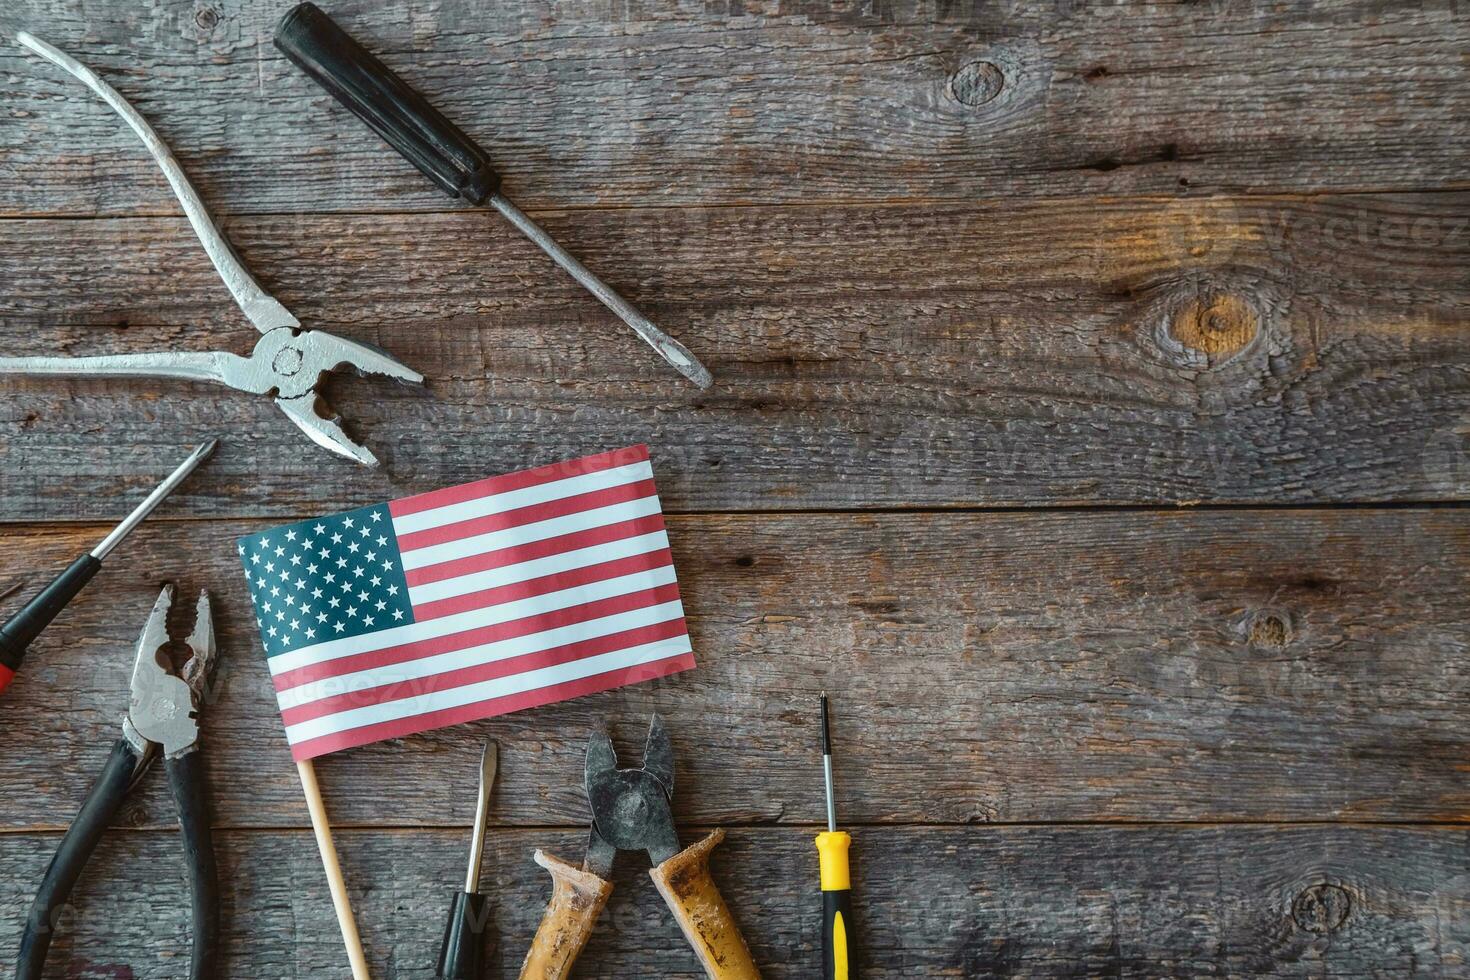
(326,579)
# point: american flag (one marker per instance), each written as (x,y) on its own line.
(469,602)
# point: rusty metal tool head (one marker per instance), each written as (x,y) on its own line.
(288,363)
(630,807)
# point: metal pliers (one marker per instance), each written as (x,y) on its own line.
(288,362)
(162,719)
(630,812)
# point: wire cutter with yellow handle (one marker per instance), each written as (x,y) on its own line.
(630,812)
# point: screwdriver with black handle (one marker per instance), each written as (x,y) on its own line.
(441,150)
(21,630)
(464,936)
(832,846)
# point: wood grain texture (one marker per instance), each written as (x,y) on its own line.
(980,283)
(977,902)
(1030,353)
(619,103)
(1016,667)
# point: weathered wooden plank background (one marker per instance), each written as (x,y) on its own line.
(989,290)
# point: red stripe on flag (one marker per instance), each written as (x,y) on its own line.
(532,587)
(407,689)
(531,550)
(529,514)
(311,748)
(517,481)
(387,656)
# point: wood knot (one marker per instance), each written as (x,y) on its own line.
(1321,908)
(977,83)
(1216,325)
(1270,628)
(999,88)
(206,18)
(1223,329)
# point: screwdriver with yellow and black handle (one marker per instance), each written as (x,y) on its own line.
(837,939)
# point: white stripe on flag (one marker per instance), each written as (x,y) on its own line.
(511,499)
(508,537)
(486,690)
(487,616)
(537,567)
(484,653)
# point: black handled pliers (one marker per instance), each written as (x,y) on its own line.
(162,719)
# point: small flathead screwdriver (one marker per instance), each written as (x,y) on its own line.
(459,957)
(21,630)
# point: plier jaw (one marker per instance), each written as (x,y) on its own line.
(630,807)
(292,363)
(163,704)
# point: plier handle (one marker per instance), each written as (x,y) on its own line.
(162,719)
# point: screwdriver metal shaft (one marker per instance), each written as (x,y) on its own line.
(489,760)
(21,630)
(668,348)
(827,768)
(150,503)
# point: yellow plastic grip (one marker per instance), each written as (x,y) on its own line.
(832,853)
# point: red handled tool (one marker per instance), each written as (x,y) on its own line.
(21,630)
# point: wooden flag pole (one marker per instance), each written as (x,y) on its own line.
(340,901)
